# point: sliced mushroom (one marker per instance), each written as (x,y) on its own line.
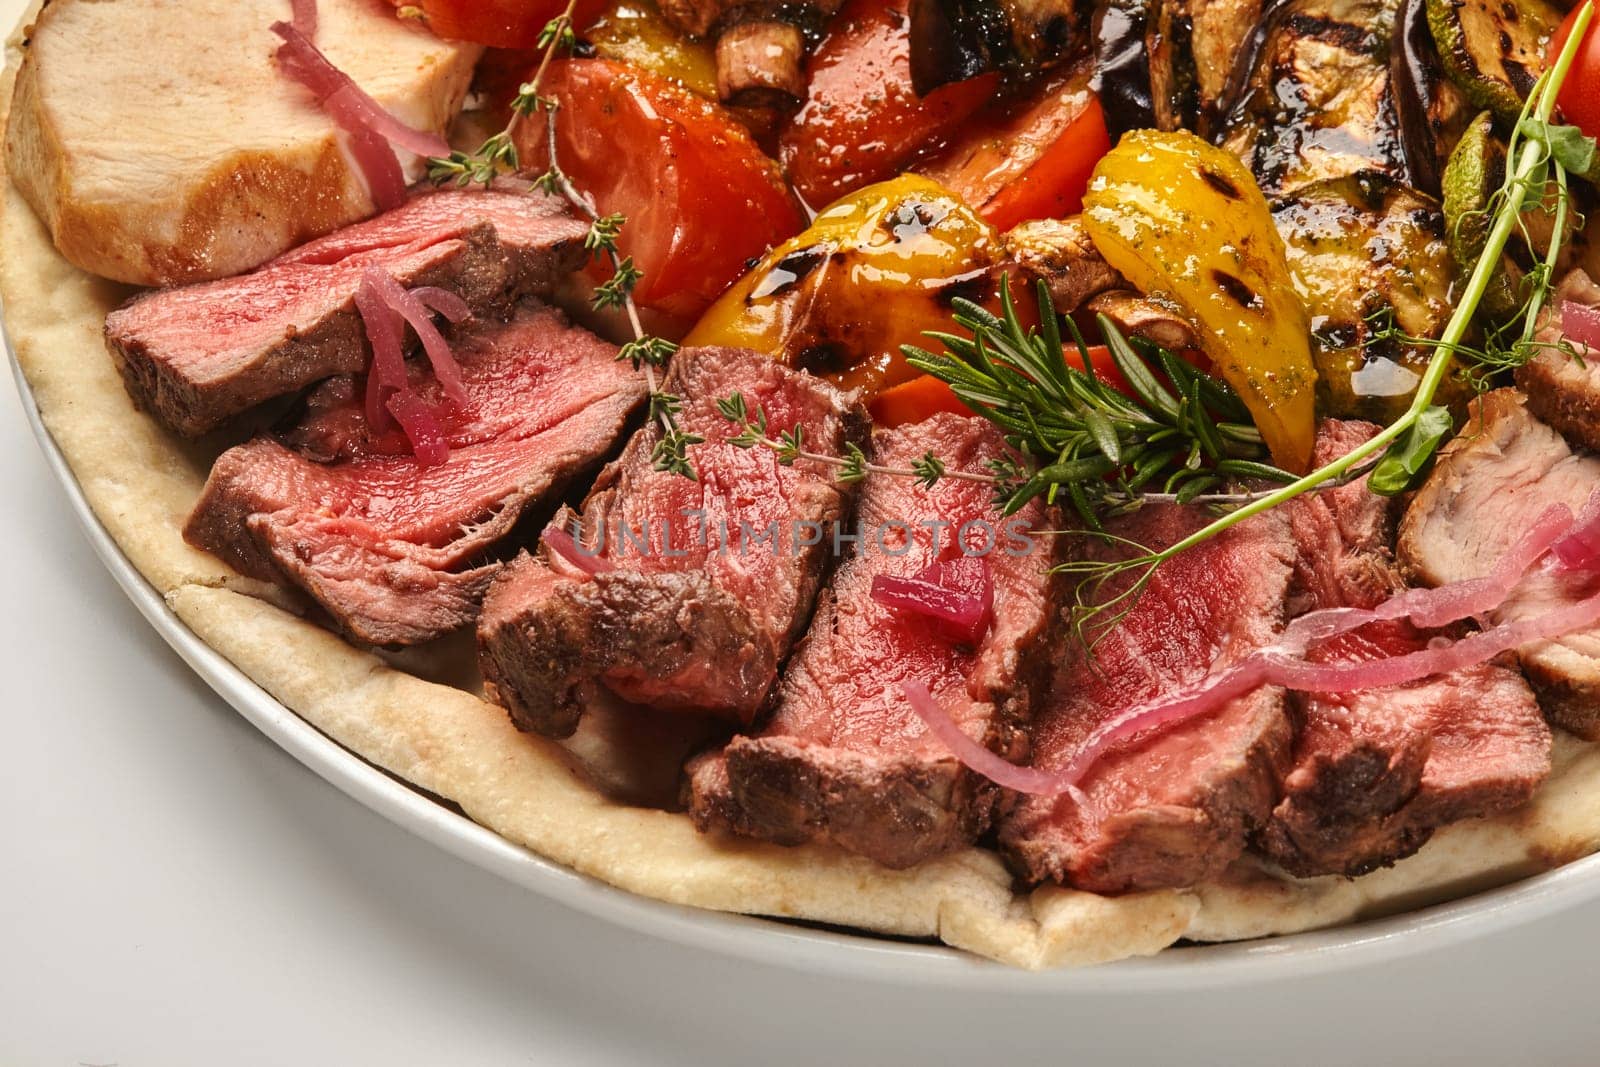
(1147,317)
(1060,252)
(759,64)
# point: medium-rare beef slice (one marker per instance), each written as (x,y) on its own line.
(845,759)
(1176,807)
(196,356)
(392,550)
(1375,772)
(1564,391)
(712,578)
(1491,483)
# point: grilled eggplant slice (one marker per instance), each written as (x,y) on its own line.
(1168,63)
(1494,49)
(1365,250)
(1320,102)
(1122,65)
(953,40)
(1432,109)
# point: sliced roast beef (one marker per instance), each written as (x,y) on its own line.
(1562,390)
(1174,808)
(391,549)
(845,759)
(1500,474)
(198,355)
(708,580)
(1375,772)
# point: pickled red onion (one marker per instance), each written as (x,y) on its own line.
(422,429)
(1581,323)
(376,160)
(1284,664)
(417,314)
(1582,542)
(564,545)
(388,370)
(345,101)
(305,17)
(446,303)
(957,595)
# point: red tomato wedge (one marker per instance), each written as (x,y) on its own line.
(701,200)
(913,401)
(861,121)
(1031,159)
(501,23)
(924,397)
(1579,98)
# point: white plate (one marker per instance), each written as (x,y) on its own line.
(783,944)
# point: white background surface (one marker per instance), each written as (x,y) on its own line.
(174,890)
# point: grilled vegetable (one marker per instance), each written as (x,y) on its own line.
(1432,109)
(1122,65)
(634,32)
(1183,220)
(953,40)
(1494,49)
(861,121)
(1365,252)
(1168,63)
(1320,102)
(1476,169)
(873,272)
(1031,159)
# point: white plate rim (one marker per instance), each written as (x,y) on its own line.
(774,943)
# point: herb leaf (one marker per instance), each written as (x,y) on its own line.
(1411,456)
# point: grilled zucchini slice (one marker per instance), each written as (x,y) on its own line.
(1493,49)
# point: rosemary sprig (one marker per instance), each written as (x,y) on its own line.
(1081,437)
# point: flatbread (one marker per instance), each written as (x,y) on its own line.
(141,483)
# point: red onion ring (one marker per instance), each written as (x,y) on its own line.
(388,370)
(942,592)
(446,303)
(564,545)
(380,167)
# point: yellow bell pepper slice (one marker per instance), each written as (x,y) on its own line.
(1184,221)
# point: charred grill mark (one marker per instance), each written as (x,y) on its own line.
(1346,35)
(1522,79)
(1237,291)
(1220,184)
(974,287)
(829,357)
(789,272)
(1509,12)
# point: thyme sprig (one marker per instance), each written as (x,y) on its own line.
(645,352)
(498,156)
(1081,437)
(853,466)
